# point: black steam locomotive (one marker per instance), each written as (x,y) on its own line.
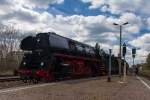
(50,57)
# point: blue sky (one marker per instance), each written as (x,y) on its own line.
(87,21)
(73,7)
(76,7)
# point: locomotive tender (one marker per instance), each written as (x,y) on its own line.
(49,57)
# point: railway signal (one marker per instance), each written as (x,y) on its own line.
(133,56)
(124,50)
(133,52)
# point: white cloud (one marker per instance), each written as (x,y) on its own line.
(141,56)
(148,23)
(22,14)
(83,26)
(9,6)
(141,41)
(87,29)
(142,44)
(120,6)
(37,3)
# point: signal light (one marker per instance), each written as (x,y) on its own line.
(133,52)
(124,50)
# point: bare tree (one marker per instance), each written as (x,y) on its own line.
(9,42)
(8,39)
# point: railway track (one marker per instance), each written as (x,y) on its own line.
(9,78)
(12,81)
(15,81)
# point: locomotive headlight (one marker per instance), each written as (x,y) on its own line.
(24,63)
(38,40)
(42,63)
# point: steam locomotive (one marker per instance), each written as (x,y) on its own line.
(49,56)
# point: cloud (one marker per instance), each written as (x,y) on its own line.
(14,6)
(5,7)
(129,31)
(80,26)
(142,41)
(31,4)
(120,6)
(14,12)
(41,3)
(148,23)
(23,14)
(142,44)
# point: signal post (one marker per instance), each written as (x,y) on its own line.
(124,68)
(133,56)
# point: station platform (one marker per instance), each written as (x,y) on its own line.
(135,88)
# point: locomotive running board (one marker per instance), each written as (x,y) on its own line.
(70,56)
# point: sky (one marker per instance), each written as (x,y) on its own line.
(87,21)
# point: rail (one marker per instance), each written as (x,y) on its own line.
(9,78)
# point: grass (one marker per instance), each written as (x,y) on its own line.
(145,72)
(8,72)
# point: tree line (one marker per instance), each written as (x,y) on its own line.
(10,53)
(147,64)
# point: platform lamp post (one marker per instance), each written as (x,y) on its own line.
(109,70)
(120,54)
(124,68)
